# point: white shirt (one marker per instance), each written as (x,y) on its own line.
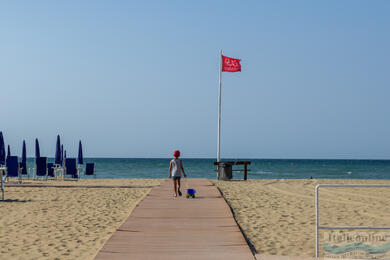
(176,167)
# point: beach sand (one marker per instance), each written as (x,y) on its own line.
(278,216)
(65,223)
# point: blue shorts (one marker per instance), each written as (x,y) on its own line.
(176,178)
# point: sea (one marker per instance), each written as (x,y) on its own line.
(119,168)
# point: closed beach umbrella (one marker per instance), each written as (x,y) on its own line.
(80,157)
(2,149)
(9,151)
(62,154)
(37,152)
(24,155)
(24,158)
(64,157)
(58,151)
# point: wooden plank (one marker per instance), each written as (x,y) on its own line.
(233,162)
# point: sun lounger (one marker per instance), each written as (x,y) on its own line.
(50,170)
(24,170)
(21,168)
(13,168)
(90,169)
(40,169)
(71,168)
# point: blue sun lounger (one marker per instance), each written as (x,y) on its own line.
(40,169)
(71,168)
(50,170)
(13,168)
(90,169)
(23,170)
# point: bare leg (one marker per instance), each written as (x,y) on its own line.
(174,187)
(178,189)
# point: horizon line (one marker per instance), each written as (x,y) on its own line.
(238,159)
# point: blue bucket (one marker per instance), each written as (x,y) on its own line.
(191,191)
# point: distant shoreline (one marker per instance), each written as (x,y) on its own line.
(230,159)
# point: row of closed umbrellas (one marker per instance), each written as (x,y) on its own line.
(60,153)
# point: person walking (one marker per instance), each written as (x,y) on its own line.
(175,170)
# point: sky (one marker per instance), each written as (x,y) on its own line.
(140,78)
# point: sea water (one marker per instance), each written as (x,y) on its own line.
(259,168)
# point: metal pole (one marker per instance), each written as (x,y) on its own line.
(341,227)
(353,227)
(2,184)
(354,185)
(317,220)
(219,109)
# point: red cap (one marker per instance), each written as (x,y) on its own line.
(176,153)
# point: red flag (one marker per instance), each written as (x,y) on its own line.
(230,64)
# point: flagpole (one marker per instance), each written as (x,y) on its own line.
(219,109)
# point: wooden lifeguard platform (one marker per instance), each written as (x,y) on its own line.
(232,163)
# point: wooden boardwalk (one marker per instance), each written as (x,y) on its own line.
(163,227)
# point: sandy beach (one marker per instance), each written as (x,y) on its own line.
(278,216)
(65,223)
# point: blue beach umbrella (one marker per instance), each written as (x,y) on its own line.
(24,154)
(37,152)
(80,157)
(58,151)
(8,151)
(24,158)
(62,154)
(64,157)
(2,149)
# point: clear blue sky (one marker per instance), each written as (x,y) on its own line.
(140,78)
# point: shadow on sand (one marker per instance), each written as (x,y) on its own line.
(9,200)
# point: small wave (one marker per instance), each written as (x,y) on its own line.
(349,173)
(261,173)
